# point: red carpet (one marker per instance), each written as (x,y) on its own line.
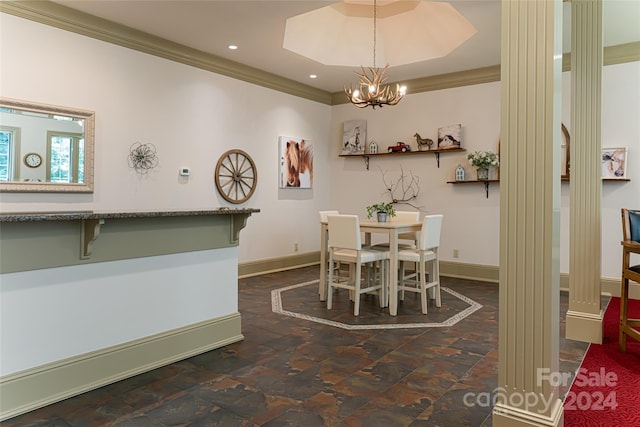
(606,390)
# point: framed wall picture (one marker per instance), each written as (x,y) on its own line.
(354,137)
(449,137)
(296,162)
(614,162)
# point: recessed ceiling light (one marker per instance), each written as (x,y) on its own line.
(313,76)
(233,47)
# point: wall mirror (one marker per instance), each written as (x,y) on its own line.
(45,148)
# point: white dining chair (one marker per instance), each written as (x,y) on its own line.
(345,246)
(425,253)
(405,240)
(322,216)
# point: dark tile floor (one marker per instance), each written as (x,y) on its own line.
(294,372)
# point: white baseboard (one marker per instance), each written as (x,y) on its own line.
(34,388)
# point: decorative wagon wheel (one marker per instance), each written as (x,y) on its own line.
(236,176)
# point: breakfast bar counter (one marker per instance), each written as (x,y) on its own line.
(89,298)
(34,240)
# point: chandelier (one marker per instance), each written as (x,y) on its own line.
(371,90)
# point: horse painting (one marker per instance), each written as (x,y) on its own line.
(297,163)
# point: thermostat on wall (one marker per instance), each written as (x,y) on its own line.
(185,171)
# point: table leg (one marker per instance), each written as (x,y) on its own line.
(393,272)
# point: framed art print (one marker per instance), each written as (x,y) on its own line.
(354,137)
(296,162)
(614,162)
(449,137)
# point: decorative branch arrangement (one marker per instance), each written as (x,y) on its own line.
(142,157)
(404,190)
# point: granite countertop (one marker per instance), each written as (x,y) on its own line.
(66,216)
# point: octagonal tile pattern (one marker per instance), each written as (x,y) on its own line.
(301,301)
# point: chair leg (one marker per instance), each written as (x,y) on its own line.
(351,277)
(434,276)
(383,283)
(402,279)
(356,307)
(423,287)
(624,311)
(330,283)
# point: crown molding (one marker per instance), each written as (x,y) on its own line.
(65,18)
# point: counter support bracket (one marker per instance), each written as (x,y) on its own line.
(238,222)
(89,232)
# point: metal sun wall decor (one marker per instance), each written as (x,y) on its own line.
(142,157)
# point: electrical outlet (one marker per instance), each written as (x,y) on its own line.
(295,247)
(456,253)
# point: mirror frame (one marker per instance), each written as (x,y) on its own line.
(89,141)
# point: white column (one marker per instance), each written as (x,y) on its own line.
(529,214)
(584,318)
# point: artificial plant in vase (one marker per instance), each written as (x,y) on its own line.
(483,160)
(382,209)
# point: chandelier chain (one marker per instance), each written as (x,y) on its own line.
(375,30)
(372,91)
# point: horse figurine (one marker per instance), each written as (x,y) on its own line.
(423,141)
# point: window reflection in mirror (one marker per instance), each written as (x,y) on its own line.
(45,148)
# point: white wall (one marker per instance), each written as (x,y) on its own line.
(467,210)
(471,220)
(191,116)
(51,314)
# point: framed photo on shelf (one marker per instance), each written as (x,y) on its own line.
(614,162)
(354,137)
(449,137)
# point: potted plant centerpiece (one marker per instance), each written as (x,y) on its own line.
(483,160)
(382,209)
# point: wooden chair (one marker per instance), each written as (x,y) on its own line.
(425,253)
(630,245)
(345,246)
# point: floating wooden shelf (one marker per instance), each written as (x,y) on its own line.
(435,152)
(485,182)
(566,178)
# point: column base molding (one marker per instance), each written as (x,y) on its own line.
(507,416)
(585,327)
